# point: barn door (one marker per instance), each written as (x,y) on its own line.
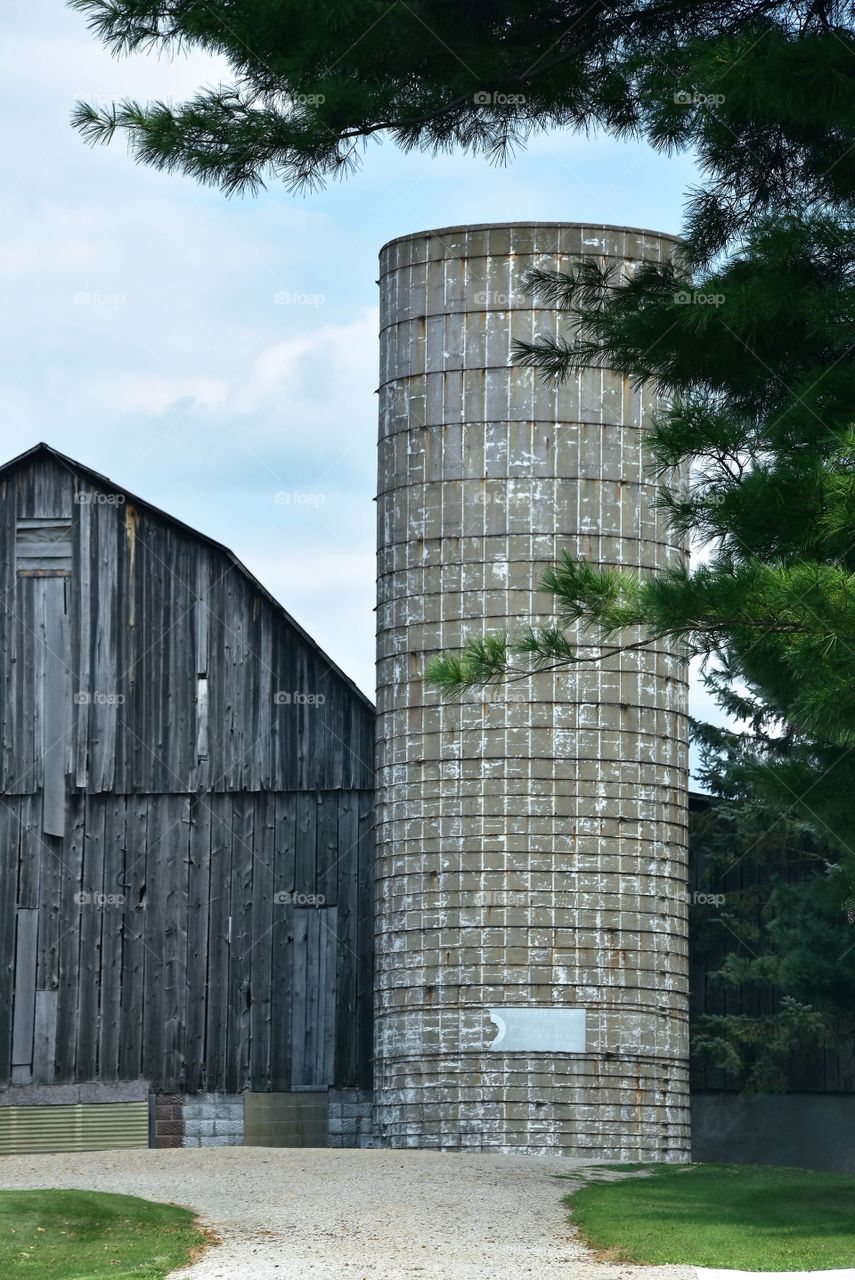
(313,998)
(43,642)
(43,563)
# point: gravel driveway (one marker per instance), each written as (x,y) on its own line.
(353,1215)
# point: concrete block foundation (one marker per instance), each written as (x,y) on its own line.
(302,1118)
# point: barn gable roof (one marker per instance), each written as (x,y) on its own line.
(46,451)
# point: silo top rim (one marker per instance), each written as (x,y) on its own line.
(501,226)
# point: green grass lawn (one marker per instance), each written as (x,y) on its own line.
(748,1217)
(84,1235)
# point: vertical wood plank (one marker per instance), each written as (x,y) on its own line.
(301,685)
(153,662)
(345,1069)
(23,1024)
(8,633)
(143,629)
(216,683)
(31,847)
(181,685)
(157,889)
(175,855)
(285,843)
(299,928)
(133,936)
(50,908)
(32,709)
(243,837)
(69,940)
(91,925)
(365,936)
(57,718)
(306,870)
(317,991)
(81,628)
(281,998)
(219,935)
(103,708)
(248,688)
(125,533)
(329,853)
(201,614)
(329,942)
(44,1047)
(115,901)
(8,882)
(262,941)
(232,651)
(197,941)
(135,644)
(263,746)
(282,958)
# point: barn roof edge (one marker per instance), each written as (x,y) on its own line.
(47,450)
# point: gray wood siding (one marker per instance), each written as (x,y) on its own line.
(164,938)
(186,812)
(149,609)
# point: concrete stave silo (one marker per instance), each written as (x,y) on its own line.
(531,845)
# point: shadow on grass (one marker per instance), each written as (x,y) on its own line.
(746,1217)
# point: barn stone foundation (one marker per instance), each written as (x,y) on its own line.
(297,1118)
(351,1118)
(213,1120)
(531,989)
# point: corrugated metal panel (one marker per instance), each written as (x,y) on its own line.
(73,1127)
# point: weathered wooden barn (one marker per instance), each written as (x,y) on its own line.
(186,856)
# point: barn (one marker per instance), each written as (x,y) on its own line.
(186,838)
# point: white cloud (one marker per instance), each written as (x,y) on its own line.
(340,358)
(196,390)
(151,395)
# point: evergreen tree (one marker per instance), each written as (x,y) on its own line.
(772,932)
(763,388)
(313,83)
(762,385)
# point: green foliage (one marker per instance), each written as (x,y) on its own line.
(756,1050)
(763,387)
(312,83)
(748,332)
(762,380)
(484,663)
(774,926)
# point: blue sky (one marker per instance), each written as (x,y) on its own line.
(142,332)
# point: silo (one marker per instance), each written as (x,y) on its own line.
(532,987)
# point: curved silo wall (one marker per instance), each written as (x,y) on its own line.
(531,843)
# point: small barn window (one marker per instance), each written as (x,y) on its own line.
(202,718)
(43,548)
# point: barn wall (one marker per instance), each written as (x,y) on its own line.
(186,857)
(214,943)
(175,673)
